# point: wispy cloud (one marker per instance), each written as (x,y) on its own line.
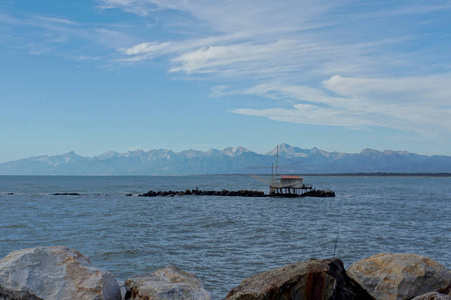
(349,71)
(56,20)
(146,48)
(40,34)
(413,104)
(139,7)
(420,9)
(215,58)
(267,39)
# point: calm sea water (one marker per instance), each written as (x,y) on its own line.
(224,239)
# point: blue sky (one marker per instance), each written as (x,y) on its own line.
(100,75)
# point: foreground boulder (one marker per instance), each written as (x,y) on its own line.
(54,273)
(399,276)
(167,283)
(313,279)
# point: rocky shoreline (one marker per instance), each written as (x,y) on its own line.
(61,273)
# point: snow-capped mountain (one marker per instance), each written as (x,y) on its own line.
(231,160)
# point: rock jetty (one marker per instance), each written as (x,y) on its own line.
(62,273)
(66,194)
(240,193)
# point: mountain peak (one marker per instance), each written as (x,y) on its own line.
(192,153)
(235,151)
(288,151)
(285,147)
(368,151)
(402,153)
(108,154)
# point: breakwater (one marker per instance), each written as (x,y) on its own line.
(240,193)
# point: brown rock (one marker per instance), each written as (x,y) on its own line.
(313,279)
(399,276)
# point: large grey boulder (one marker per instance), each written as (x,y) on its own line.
(168,283)
(312,279)
(57,273)
(399,276)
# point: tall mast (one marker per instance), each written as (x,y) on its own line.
(277,160)
(272,173)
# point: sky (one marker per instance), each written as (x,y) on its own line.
(92,76)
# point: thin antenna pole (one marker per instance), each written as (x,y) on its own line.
(272,172)
(277,160)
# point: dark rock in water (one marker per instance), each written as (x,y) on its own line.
(196,192)
(312,279)
(318,193)
(128,195)
(10,193)
(149,194)
(54,273)
(400,276)
(165,284)
(66,194)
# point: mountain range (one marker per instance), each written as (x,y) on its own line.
(232,160)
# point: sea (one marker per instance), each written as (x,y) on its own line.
(224,240)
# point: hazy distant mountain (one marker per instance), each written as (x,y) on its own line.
(231,160)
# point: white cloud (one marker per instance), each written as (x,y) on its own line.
(139,7)
(431,89)
(420,9)
(56,20)
(146,48)
(296,92)
(413,104)
(300,57)
(231,15)
(391,73)
(307,114)
(215,58)
(150,50)
(40,34)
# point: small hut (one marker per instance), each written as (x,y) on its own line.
(288,185)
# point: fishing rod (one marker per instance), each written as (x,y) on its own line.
(336,238)
(338,229)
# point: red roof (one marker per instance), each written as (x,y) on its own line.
(290,177)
